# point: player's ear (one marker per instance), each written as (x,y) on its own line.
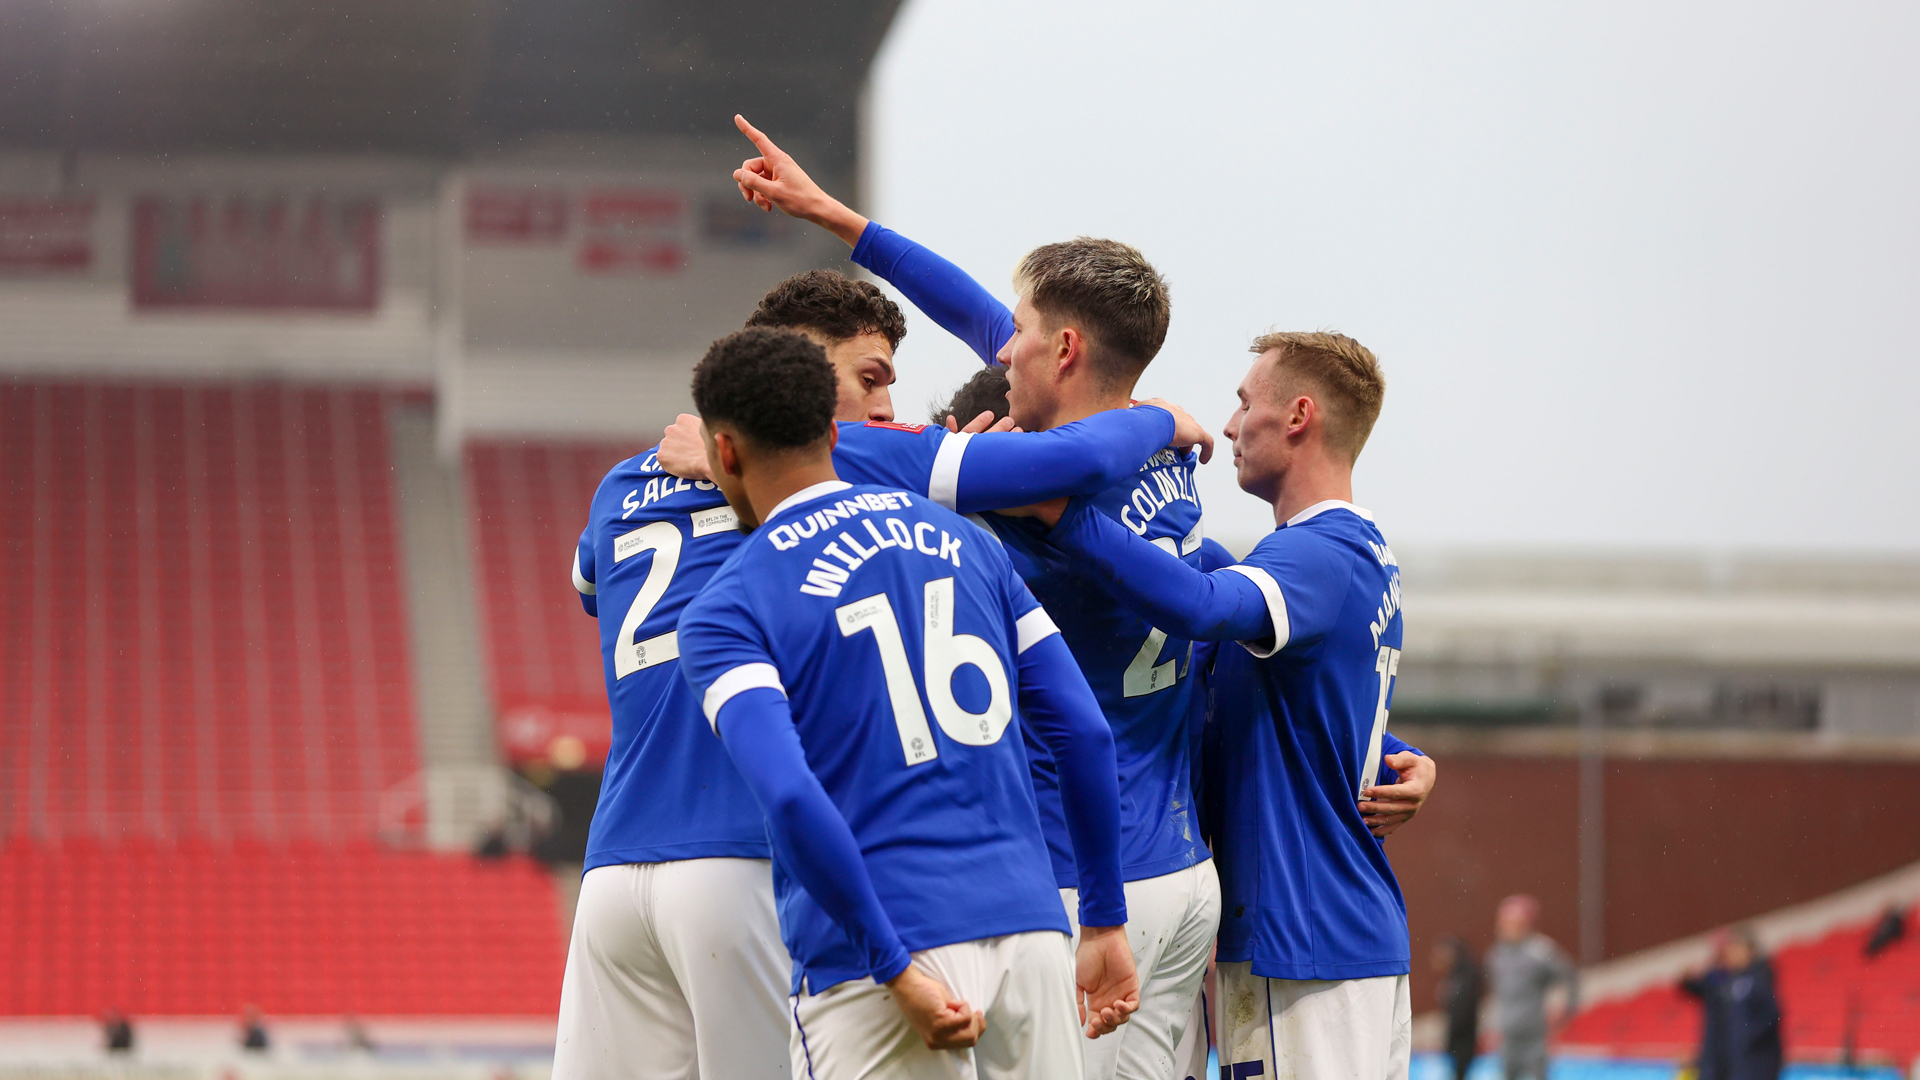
(1071,348)
(1302,414)
(727,452)
(833,435)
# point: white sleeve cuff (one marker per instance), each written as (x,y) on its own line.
(580,582)
(735,681)
(1276,608)
(1032,628)
(943,484)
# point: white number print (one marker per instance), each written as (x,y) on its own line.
(875,613)
(1143,677)
(663,539)
(946,651)
(1387,666)
(944,654)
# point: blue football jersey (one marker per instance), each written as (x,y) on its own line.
(1307,892)
(893,626)
(669,792)
(1141,677)
(651,542)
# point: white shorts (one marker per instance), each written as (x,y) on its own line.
(1023,982)
(1312,1029)
(1171,922)
(1190,1057)
(675,972)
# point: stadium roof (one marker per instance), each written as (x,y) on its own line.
(1821,611)
(424,76)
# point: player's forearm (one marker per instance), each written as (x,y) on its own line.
(1086,457)
(1057,703)
(941,290)
(807,829)
(1221,606)
(841,220)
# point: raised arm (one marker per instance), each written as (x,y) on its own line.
(1057,703)
(937,287)
(1226,605)
(943,291)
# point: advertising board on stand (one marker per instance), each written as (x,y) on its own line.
(263,252)
(45,235)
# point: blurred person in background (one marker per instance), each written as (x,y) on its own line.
(983,395)
(1740,1016)
(1460,990)
(117,1031)
(1524,967)
(253,1030)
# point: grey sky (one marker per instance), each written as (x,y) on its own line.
(1639,274)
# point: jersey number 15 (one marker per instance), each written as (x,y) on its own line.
(1386,667)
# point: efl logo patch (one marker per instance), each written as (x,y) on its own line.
(912,429)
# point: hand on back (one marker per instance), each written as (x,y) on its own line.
(1186,430)
(1108,984)
(981,423)
(683,449)
(1386,808)
(942,1020)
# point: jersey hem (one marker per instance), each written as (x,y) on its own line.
(653,853)
(1268,967)
(1142,871)
(1163,867)
(1330,972)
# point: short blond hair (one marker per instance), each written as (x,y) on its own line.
(1348,379)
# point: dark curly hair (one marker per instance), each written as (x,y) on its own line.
(774,387)
(985,392)
(831,304)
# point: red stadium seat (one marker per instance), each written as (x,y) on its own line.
(148,927)
(205,690)
(1825,987)
(205,630)
(528,502)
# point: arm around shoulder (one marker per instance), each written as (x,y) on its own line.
(1226,605)
(1015,468)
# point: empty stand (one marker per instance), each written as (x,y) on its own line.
(202,929)
(1830,995)
(202,629)
(528,502)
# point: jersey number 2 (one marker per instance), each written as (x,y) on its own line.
(1143,676)
(663,539)
(1387,667)
(942,655)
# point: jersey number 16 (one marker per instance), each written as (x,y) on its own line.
(942,656)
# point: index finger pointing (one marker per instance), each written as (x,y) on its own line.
(760,141)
